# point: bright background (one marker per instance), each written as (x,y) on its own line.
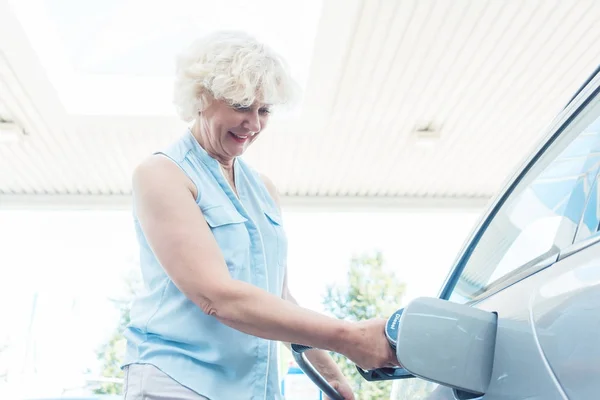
(60,269)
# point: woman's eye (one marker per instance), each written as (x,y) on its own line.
(240,108)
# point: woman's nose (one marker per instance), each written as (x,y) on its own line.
(253,122)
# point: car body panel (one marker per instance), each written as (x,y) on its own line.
(548,334)
(566,316)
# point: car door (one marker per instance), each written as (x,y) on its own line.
(534,261)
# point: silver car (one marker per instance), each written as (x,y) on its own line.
(518,316)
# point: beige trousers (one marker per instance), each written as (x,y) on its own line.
(146,382)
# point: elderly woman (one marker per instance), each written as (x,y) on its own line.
(213,247)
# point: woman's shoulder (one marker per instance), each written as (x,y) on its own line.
(269,185)
(159,171)
(271,189)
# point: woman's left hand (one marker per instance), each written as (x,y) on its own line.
(343,387)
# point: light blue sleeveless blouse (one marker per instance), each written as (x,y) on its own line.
(172,333)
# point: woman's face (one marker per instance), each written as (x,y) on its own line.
(230,130)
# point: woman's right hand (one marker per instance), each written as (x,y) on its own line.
(367,345)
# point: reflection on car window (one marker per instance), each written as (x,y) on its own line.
(590,222)
(541,214)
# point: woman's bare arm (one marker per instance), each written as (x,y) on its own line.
(184,245)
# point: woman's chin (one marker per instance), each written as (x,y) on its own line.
(236,150)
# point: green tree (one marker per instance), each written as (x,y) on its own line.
(371,291)
(111,353)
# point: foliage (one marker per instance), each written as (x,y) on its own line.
(111,353)
(370,291)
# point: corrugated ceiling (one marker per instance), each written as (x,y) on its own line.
(484,76)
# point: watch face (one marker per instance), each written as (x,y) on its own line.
(392,327)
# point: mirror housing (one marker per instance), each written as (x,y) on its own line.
(448,343)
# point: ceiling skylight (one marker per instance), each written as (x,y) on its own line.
(116,56)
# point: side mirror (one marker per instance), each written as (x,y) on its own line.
(447,343)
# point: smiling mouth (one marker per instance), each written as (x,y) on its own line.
(239,138)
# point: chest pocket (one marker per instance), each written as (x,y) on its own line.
(278,236)
(229,229)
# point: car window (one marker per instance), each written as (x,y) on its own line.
(541,214)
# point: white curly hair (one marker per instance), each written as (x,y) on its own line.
(232,66)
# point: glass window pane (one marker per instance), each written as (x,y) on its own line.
(543,211)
